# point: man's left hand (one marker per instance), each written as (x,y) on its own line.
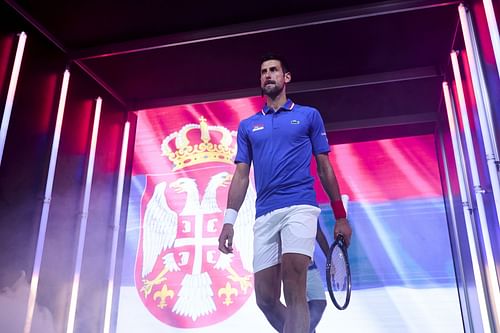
(342,227)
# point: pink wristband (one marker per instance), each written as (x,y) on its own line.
(338,209)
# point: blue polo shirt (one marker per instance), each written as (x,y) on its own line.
(280,144)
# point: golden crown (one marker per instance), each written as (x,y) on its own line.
(184,153)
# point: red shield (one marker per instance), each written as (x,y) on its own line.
(181,276)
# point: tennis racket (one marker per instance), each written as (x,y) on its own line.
(338,274)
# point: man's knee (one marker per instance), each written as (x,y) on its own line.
(266,301)
(267,288)
(294,266)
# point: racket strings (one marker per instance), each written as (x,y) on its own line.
(339,275)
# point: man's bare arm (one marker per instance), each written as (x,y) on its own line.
(322,241)
(237,192)
(327,177)
(238,187)
(331,187)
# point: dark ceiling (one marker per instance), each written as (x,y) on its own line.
(357,61)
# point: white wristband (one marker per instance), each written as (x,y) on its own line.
(230,216)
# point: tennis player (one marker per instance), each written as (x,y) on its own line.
(280,141)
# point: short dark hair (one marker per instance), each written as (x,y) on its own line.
(274,56)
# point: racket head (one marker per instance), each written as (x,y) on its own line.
(338,274)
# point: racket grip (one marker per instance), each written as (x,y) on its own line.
(338,209)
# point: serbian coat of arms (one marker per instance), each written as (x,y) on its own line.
(181,276)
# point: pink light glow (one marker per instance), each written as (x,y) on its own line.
(6,47)
(384,168)
(150,131)
(493,34)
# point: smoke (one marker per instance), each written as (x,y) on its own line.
(14,302)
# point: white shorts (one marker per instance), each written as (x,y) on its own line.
(285,230)
(314,288)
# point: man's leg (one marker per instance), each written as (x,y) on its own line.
(294,268)
(316,309)
(267,293)
(316,298)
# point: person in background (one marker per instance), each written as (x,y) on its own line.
(315,290)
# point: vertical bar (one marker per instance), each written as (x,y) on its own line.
(493,28)
(11,91)
(452,225)
(483,105)
(46,205)
(116,227)
(490,261)
(467,206)
(83,219)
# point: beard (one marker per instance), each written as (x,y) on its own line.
(272,91)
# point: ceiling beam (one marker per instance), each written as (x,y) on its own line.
(364,80)
(295,87)
(52,39)
(102,83)
(39,27)
(407,119)
(258,27)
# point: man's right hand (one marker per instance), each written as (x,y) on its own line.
(226,239)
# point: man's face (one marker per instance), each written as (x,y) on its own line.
(272,78)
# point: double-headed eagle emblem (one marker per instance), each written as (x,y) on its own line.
(162,233)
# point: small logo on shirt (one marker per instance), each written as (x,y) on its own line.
(295,122)
(257,127)
(323,133)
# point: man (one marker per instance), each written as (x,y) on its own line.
(315,290)
(279,141)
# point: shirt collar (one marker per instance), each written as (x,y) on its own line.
(288,106)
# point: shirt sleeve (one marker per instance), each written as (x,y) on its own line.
(317,134)
(244,149)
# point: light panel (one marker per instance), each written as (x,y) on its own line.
(466,204)
(116,228)
(483,105)
(493,28)
(83,219)
(11,91)
(490,266)
(46,204)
